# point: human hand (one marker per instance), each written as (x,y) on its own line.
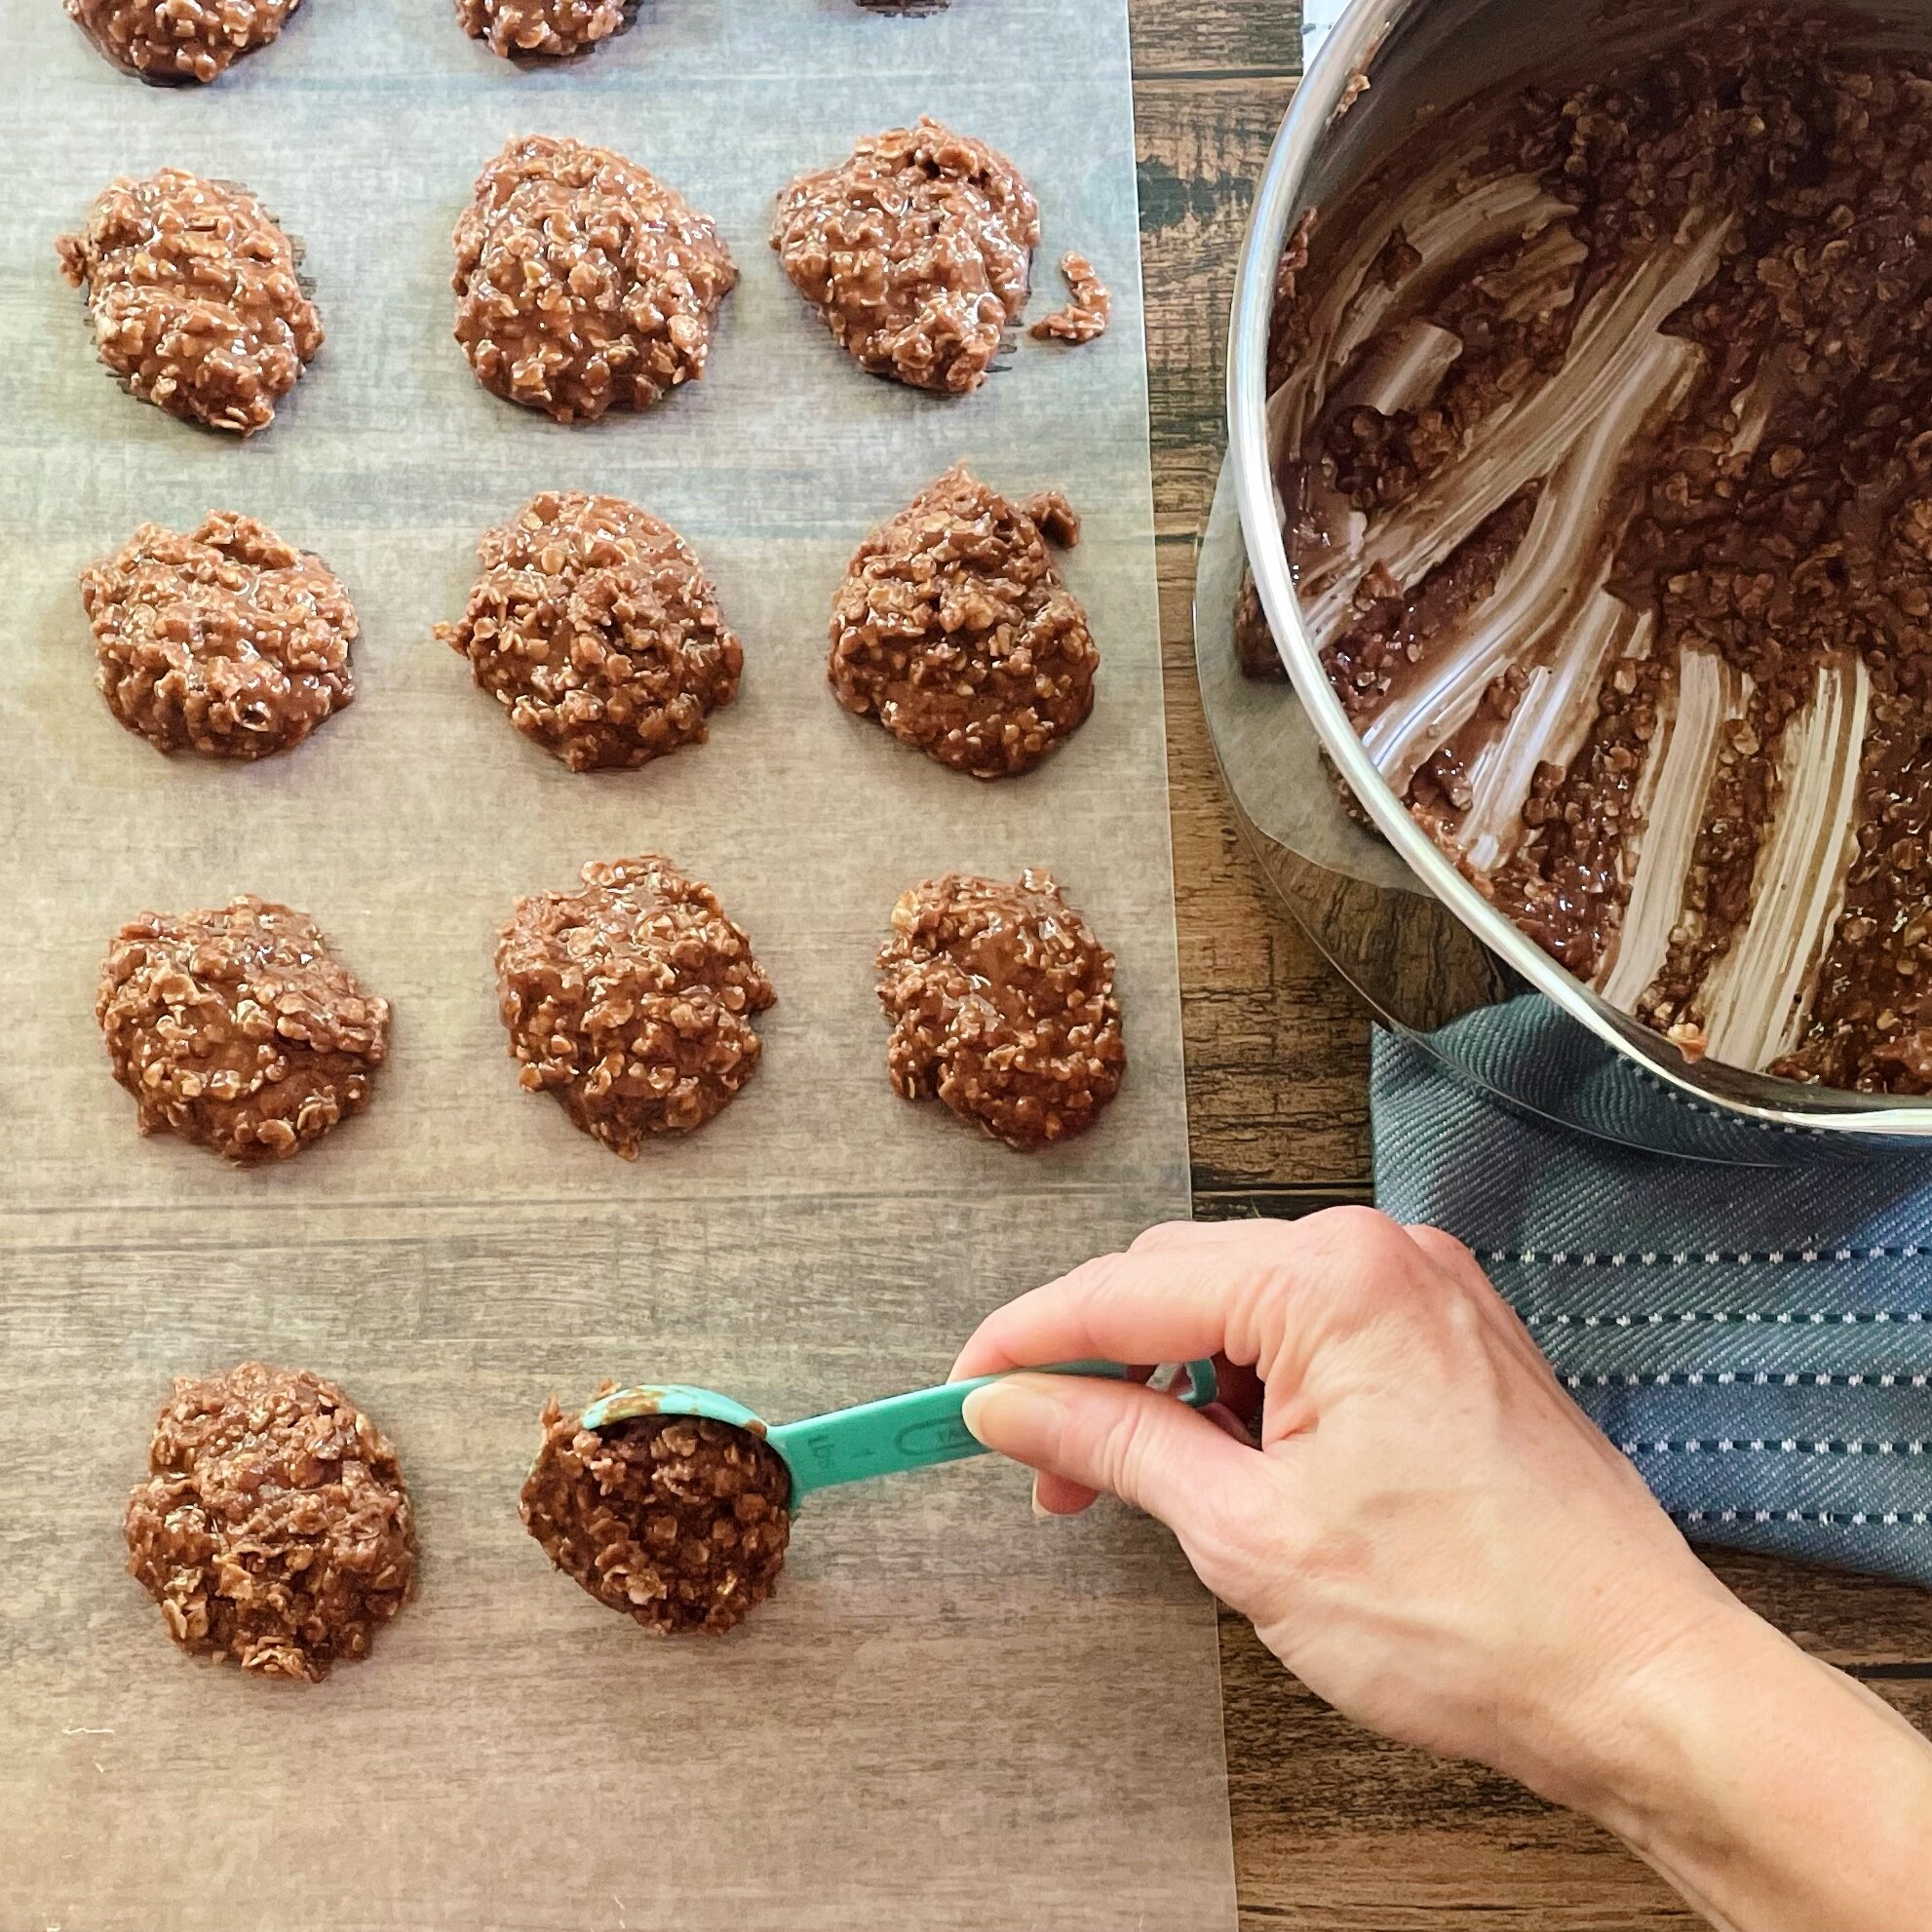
(1431,1537)
(1428,1532)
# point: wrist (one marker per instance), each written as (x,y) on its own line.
(1659,1726)
(1774,1791)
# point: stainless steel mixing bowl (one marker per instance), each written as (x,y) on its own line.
(1434,957)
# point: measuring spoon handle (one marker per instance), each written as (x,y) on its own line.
(918,1430)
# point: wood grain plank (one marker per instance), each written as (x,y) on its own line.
(1276,1044)
(1202,145)
(1215,36)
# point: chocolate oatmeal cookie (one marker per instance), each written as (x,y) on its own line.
(1088,308)
(631,1001)
(274,1528)
(181,40)
(195,297)
(520,28)
(596,630)
(916,251)
(583,284)
(1002,1005)
(225,641)
(953,629)
(676,1521)
(238,1029)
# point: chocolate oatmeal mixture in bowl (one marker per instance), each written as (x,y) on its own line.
(1582,438)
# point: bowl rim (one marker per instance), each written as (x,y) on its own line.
(1349,51)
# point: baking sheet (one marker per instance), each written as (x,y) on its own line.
(949,1714)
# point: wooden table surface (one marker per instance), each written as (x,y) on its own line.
(1333,1828)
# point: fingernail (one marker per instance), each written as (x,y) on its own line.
(1016,1416)
(1041,1513)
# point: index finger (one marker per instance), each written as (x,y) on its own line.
(1181,1300)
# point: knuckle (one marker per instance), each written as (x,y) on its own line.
(1373,1254)
(1163,1234)
(1124,1449)
(1365,1231)
(1441,1246)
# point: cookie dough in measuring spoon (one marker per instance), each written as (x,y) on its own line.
(674,1504)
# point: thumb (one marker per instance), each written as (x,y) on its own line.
(1143,1447)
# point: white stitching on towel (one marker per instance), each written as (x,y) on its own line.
(1710,1257)
(1814,1318)
(1762,1379)
(1840,1519)
(1787,1445)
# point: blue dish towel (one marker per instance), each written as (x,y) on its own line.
(1757,1340)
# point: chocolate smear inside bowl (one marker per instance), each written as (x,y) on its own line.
(1603,422)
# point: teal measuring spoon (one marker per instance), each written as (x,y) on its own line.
(876,1438)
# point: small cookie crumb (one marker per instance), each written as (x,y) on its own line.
(238,1029)
(1002,1005)
(195,297)
(182,40)
(583,284)
(596,628)
(631,1001)
(274,1528)
(678,1520)
(520,29)
(225,641)
(1087,309)
(952,628)
(915,251)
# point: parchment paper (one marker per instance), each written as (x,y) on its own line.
(949,1716)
